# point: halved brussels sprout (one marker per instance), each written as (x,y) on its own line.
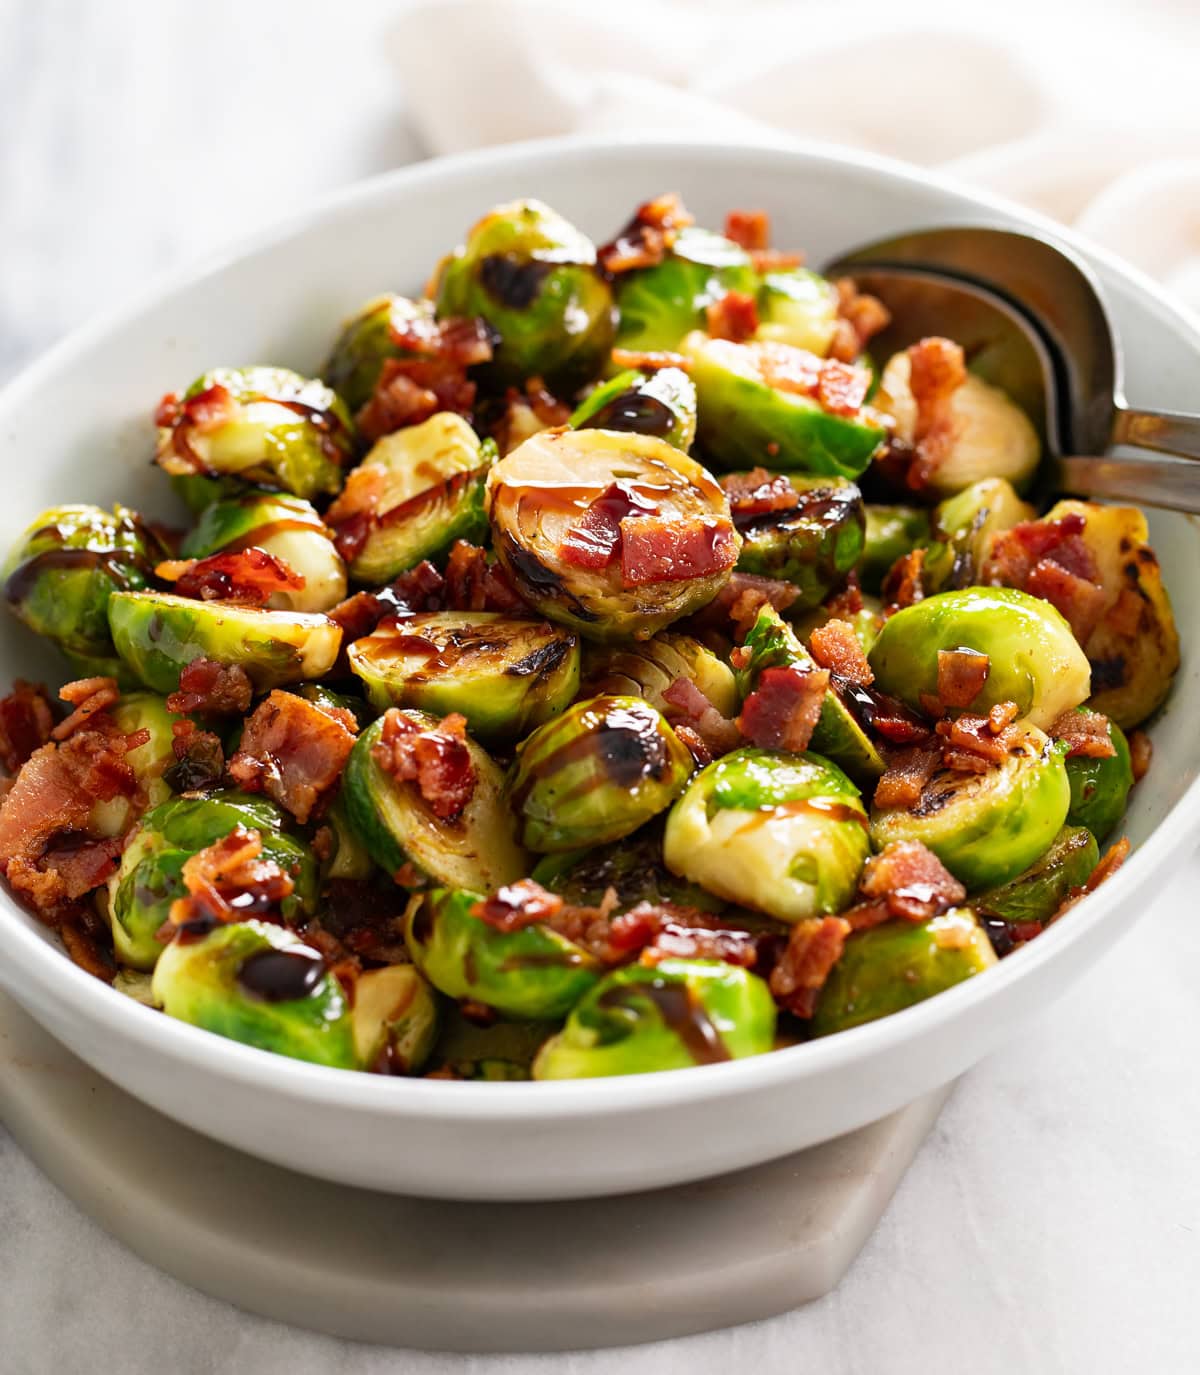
(891,532)
(632,868)
(992,437)
(616,535)
(266,427)
(987,827)
(798,307)
(659,305)
(59,575)
(501,1050)
(1038,893)
(287,527)
(596,773)
(534,972)
(136,711)
(505,674)
(648,667)
(745,421)
(348,857)
(785,834)
(964,526)
(1100,787)
(678,1014)
(477,849)
(395,1019)
(259,984)
(157,634)
(893,966)
(1033,659)
(367,341)
(661,403)
(534,278)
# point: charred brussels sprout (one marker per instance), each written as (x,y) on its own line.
(157,634)
(476,849)
(534,278)
(647,669)
(264,427)
(259,984)
(632,868)
(662,404)
(800,308)
(1033,659)
(534,972)
(783,833)
(1037,894)
(756,410)
(367,341)
(891,532)
(964,526)
(505,674)
(395,1019)
(596,773)
(62,571)
(893,966)
(616,535)
(987,827)
(1100,787)
(287,527)
(678,1014)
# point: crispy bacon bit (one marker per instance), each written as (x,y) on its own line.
(909,770)
(745,595)
(191,415)
(842,389)
(911,881)
(849,601)
(410,390)
(837,386)
(646,239)
(518,905)
(656,549)
(732,316)
(765,260)
(1110,862)
(526,413)
(814,946)
(937,370)
(250,577)
(209,687)
(465,342)
(1085,733)
(903,584)
(972,737)
(690,711)
(26,722)
(1001,715)
(473,583)
(860,318)
(294,751)
(650,360)
(419,589)
(749,229)
(1080,602)
(89,696)
(782,711)
(657,931)
(836,647)
(961,674)
(435,759)
(1048,559)
(1141,751)
(759,493)
(595,540)
(88,943)
(227,881)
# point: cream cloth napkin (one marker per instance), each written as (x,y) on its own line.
(1089,113)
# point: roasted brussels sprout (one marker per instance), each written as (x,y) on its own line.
(534,278)
(534,972)
(632,868)
(287,527)
(505,674)
(1037,894)
(137,711)
(755,410)
(260,984)
(891,532)
(264,427)
(662,404)
(1033,659)
(157,634)
(785,834)
(616,535)
(367,341)
(476,849)
(891,967)
(659,305)
(59,576)
(395,1019)
(987,827)
(347,857)
(678,1014)
(1100,787)
(964,526)
(501,1050)
(647,669)
(798,307)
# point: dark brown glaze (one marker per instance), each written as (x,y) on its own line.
(827,507)
(681,1013)
(22,580)
(268,529)
(817,806)
(422,923)
(867,705)
(280,976)
(512,280)
(633,413)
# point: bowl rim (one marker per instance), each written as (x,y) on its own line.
(55,977)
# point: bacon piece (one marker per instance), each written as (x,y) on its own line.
(26,722)
(227,881)
(759,493)
(1141,751)
(650,360)
(595,540)
(749,229)
(973,736)
(836,647)
(435,759)
(518,905)
(526,413)
(249,577)
(691,711)
(199,758)
(1001,715)
(745,595)
(765,260)
(649,235)
(903,584)
(659,549)
(419,589)
(1048,559)
(842,389)
(89,697)
(814,946)
(909,770)
(782,711)
(1015,551)
(849,601)
(475,584)
(911,881)
(657,931)
(838,387)
(1110,862)
(1085,733)
(209,687)
(937,370)
(463,342)
(410,390)
(1080,602)
(87,941)
(294,751)
(733,316)
(860,318)
(961,674)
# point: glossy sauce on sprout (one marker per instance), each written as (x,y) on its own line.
(681,1012)
(280,976)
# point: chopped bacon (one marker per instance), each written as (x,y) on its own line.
(658,549)
(765,260)
(464,342)
(961,674)
(199,758)
(419,589)
(473,583)
(782,711)
(911,881)
(595,540)
(89,696)
(839,387)
(526,413)
(732,316)
(26,721)
(814,946)
(937,370)
(759,493)
(646,239)
(836,647)
(410,390)
(1086,734)
(745,595)
(849,601)
(87,940)
(294,751)
(1141,751)
(860,318)
(655,931)
(690,711)
(518,905)
(973,737)
(213,688)
(1110,862)
(903,584)
(1048,559)
(227,881)
(909,770)
(436,759)
(1001,715)
(250,577)
(1080,602)
(842,389)
(650,360)
(749,229)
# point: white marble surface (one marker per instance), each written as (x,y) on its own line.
(1052,1222)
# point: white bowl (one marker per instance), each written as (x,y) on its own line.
(77,426)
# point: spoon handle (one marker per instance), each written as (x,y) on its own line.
(1172,483)
(1167,432)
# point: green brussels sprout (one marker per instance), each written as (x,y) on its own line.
(59,575)
(505,674)
(658,305)
(798,307)
(417,491)
(533,973)
(1039,892)
(661,403)
(477,849)
(745,421)
(328,700)
(678,1014)
(136,711)
(265,427)
(260,984)
(348,857)
(812,545)
(157,634)
(891,532)
(632,868)
(535,280)
(1100,787)
(987,827)
(615,535)
(287,527)
(963,526)
(502,1050)
(890,967)
(596,773)
(367,341)
(648,667)
(1033,659)
(395,1019)
(149,879)
(785,834)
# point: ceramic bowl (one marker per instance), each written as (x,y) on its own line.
(76,427)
